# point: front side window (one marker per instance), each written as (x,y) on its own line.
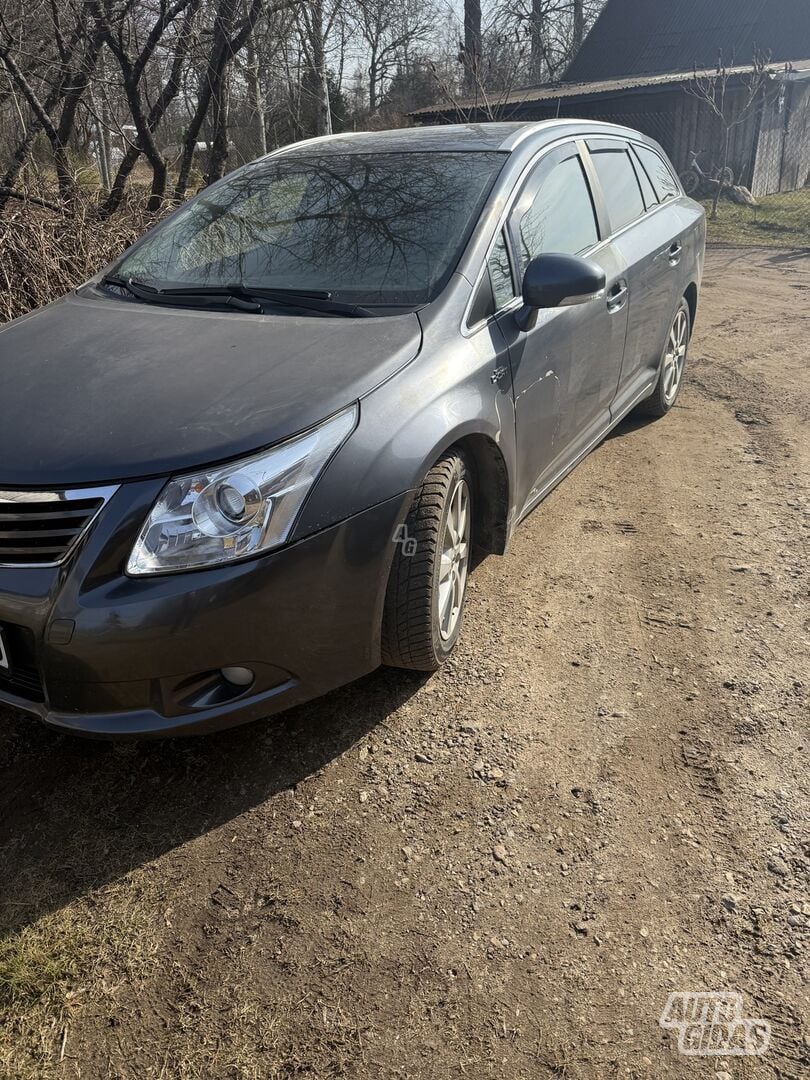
(386,228)
(561,218)
(620,186)
(500,274)
(659,173)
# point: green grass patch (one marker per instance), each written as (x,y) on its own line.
(40,963)
(780,221)
(55,966)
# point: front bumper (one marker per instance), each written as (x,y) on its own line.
(102,654)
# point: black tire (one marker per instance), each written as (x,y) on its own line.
(411,633)
(659,402)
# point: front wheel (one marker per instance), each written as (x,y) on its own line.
(673,363)
(427,588)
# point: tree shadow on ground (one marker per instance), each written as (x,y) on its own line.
(76,814)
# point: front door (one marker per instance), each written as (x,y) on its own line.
(566,369)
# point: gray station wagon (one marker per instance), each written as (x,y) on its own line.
(256,456)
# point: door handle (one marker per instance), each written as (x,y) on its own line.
(617,297)
(675,253)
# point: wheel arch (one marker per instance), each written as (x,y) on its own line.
(691,297)
(490,493)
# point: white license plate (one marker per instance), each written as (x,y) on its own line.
(3,654)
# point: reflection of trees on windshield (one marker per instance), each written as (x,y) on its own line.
(385,228)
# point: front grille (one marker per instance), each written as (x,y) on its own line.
(39,528)
(22,677)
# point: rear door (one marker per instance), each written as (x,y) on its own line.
(566,369)
(646,236)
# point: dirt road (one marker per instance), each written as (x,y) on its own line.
(502,871)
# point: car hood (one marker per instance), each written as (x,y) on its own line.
(95,389)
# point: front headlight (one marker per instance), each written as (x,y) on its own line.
(217,515)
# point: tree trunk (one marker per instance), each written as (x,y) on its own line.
(218,157)
(719,189)
(579,25)
(537,41)
(42,114)
(372,81)
(472,45)
(256,98)
(320,80)
(225,44)
(102,125)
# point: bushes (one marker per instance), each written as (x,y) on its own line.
(45,253)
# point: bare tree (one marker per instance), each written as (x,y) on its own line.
(119,33)
(229,33)
(53,97)
(389,28)
(731,99)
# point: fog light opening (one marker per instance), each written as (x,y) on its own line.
(237,676)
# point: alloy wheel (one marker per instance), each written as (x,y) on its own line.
(455,555)
(675,357)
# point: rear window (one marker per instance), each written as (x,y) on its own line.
(659,173)
(620,186)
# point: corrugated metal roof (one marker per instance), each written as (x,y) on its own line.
(643,37)
(566,91)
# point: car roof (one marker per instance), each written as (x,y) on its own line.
(504,137)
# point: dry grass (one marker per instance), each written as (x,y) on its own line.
(44,253)
(52,969)
(779,221)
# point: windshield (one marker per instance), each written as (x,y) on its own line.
(380,229)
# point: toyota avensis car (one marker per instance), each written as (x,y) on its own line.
(254,458)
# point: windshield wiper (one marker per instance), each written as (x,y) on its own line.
(308,300)
(242,297)
(202,298)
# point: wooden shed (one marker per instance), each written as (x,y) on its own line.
(638,65)
(770,143)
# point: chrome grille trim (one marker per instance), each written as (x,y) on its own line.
(59,516)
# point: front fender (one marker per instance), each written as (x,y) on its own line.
(445,395)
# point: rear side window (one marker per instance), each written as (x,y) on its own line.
(647,190)
(659,173)
(620,186)
(561,218)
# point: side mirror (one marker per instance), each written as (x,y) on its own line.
(553,281)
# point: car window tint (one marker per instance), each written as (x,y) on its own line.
(500,274)
(647,190)
(562,217)
(659,173)
(620,187)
